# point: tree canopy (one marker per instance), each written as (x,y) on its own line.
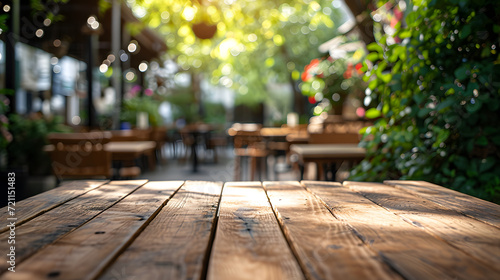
(255,43)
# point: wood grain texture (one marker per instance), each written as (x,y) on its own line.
(43,202)
(326,247)
(468,205)
(86,251)
(47,228)
(409,249)
(474,237)
(249,243)
(175,243)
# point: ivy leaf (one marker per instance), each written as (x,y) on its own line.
(486,164)
(375,47)
(386,77)
(424,112)
(405,34)
(461,162)
(465,31)
(372,57)
(445,104)
(373,113)
(419,98)
(482,141)
(474,107)
(373,84)
(461,73)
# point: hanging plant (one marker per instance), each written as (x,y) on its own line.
(204,30)
(203,27)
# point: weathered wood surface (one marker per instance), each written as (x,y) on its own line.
(86,251)
(474,237)
(176,243)
(43,202)
(326,247)
(471,206)
(252,230)
(249,243)
(47,228)
(410,250)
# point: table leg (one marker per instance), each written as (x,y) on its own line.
(195,157)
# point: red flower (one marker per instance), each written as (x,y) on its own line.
(398,13)
(306,75)
(348,72)
(358,68)
(311,99)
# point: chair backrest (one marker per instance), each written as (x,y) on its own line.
(131,135)
(159,135)
(334,138)
(80,155)
(245,135)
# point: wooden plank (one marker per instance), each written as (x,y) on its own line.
(329,151)
(326,247)
(468,205)
(474,237)
(176,243)
(249,243)
(86,251)
(47,228)
(43,202)
(407,248)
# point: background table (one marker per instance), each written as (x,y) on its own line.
(251,230)
(331,154)
(130,151)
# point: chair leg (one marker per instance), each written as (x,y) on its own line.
(253,168)
(237,168)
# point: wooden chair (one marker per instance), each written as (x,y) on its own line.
(159,135)
(334,138)
(324,169)
(82,155)
(248,143)
(131,135)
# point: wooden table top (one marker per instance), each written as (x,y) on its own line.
(328,150)
(119,146)
(250,230)
(129,146)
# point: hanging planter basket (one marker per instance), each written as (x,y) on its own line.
(204,30)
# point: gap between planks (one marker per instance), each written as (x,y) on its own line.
(35,206)
(352,205)
(88,250)
(326,248)
(48,228)
(249,243)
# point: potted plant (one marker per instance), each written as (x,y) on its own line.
(139,104)
(29,136)
(6,136)
(328,81)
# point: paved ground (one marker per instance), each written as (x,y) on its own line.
(179,167)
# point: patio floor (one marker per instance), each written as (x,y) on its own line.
(179,167)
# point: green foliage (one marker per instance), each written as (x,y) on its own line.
(144,103)
(256,43)
(439,94)
(5,135)
(29,136)
(215,113)
(329,81)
